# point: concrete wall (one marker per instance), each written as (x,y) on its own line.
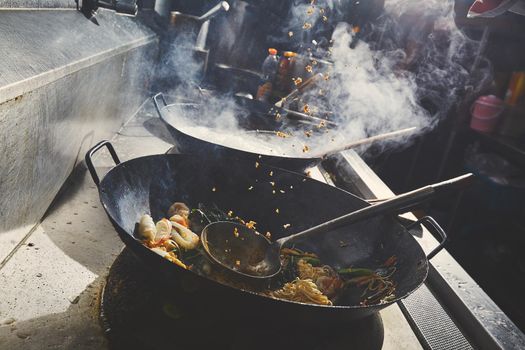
(57,99)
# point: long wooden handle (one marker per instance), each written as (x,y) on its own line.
(367,141)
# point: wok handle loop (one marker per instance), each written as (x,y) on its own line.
(433,226)
(156,103)
(95,149)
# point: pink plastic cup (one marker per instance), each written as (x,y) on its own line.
(486,112)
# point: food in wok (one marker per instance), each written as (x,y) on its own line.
(304,278)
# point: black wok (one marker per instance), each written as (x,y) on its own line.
(257,117)
(150,185)
(260,117)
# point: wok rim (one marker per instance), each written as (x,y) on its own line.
(121,231)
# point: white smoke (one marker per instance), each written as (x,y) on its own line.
(441,57)
(410,68)
(366,94)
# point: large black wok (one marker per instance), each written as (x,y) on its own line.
(151,184)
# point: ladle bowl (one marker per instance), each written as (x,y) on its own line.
(241,249)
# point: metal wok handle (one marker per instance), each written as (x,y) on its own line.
(400,203)
(434,227)
(156,103)
(95,149)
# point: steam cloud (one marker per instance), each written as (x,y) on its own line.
(366,93)
(409,69)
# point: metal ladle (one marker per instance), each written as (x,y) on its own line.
(249,253)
